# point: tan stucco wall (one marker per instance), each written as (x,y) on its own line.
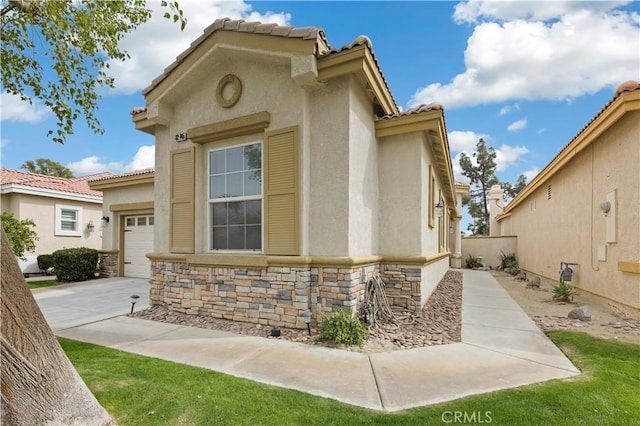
(120,195)
(42,211)
(402,209)
(490,248)
(570,226)
(363,175)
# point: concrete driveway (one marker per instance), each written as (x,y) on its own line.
(71,305)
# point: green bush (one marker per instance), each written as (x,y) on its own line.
(75,264)
(508,261)
(342,328)
(473,262)
(564,292)
(45,261)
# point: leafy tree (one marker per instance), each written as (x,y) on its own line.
(45,166)
(56,52)
(511,190)
(480,169)
(78,38)
(19,233)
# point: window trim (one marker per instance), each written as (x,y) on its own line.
(58,231)
(211,201)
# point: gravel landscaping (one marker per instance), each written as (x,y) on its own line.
(438,323)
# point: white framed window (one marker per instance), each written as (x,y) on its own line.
(235,198)
(68,221)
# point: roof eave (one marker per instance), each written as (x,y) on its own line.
(624,103)
(358,59)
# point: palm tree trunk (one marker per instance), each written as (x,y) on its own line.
(39,384)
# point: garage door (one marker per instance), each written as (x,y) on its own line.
(138,241)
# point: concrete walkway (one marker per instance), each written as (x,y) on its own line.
(501,348)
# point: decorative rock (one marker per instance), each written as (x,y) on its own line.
(582,313)
(534,283)
(522,276)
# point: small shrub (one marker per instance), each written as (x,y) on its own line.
(564,292)
(342,328)
(508,261)
(514,270)
(75,264)
(45,262)
(473,262)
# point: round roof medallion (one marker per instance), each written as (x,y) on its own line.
(228,91)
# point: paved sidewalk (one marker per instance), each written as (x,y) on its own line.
(501,348)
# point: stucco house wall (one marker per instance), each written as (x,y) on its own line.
(559,217)
(39,197)
(362,176)
(490,248)
(124,195)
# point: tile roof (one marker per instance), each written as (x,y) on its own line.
(121,175)
(627,86)
(307,33)
(226,24)
(415,110)
(77,185)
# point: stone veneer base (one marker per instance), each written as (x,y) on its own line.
(275,296)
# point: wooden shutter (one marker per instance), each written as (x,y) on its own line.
(281,197)
(181,220)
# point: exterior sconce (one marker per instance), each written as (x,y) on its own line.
(90,226)
(439,209)
(105,219)
(307,319)
(605,207)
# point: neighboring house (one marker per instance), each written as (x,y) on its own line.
(584,206)
(286,175)
(127,223)
(66,211)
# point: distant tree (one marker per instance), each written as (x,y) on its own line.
(511,190)
(481,174)
(45,166)
(21,237)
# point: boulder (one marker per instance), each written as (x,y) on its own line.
(583,313)
(535,282)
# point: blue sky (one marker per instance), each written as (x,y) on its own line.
(526,76)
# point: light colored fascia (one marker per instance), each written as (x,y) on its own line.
(141,179)
(143,124)
(49,193)
(626,102)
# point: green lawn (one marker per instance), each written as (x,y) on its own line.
(138,390)
(41,284)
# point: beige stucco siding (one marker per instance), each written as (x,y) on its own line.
(42,211)
(363,175)
(401,211)
(329,170)
(121,196)
(570,225)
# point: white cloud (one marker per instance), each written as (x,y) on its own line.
(508,108)
(4,142)
(571,52)
(91,165)
(144,158)
(17,110)
(471,11)
(464,140)
(155,44)
(508,155)
(541,131)
(530,174)
(517,125)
